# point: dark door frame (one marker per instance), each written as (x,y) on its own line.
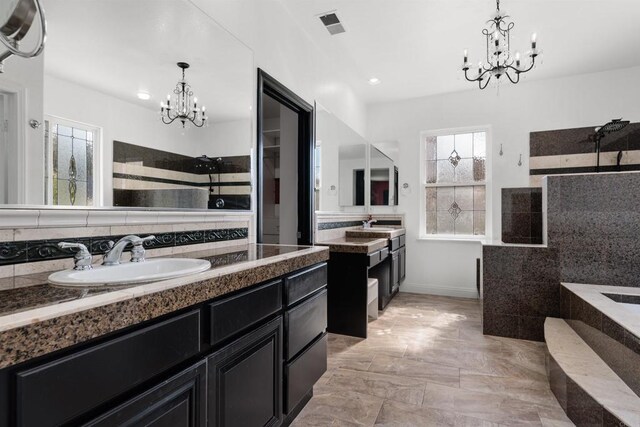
(267,85)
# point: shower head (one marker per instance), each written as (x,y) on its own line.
(613,126)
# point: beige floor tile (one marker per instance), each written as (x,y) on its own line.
(392,387)
(485,406)
(531,390)
(405,415)
(329,407)
(427,363)
(430,372)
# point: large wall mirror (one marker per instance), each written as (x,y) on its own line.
(99,136)
(383,174)
(341,165)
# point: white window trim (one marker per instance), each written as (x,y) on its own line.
(98,168)
(487,184)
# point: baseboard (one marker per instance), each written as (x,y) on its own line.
(446,291)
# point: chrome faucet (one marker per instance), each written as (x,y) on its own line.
(113,255)
(82,259)
(367,224)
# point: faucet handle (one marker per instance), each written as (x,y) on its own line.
(82,259)
(138,251)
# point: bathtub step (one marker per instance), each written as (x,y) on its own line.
(588,390)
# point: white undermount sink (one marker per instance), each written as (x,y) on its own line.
(151,270)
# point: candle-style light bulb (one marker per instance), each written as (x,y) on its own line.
(479,68)
(517,59)
(534,40)
(466,56)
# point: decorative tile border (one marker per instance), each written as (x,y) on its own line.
(344,224)
(45,250)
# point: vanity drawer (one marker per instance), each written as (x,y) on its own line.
(231,315)
(374,258)
(402,240)
(384,253)
(304,283)
(394,244)
(57,392)
(304,323)
(302,373)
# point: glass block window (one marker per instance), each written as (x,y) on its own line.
(454,184)
(70,163)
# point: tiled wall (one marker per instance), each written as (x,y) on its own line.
(520,289)
(28,244)
(571,151)
(146,177)
(522,215)
(593,224)
(330,226)
(594,220)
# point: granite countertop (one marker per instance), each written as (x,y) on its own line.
(38,318)
(377,233)
(356,245)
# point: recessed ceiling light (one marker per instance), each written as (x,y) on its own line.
(374,81)
(144,96)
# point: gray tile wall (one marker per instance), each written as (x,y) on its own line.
(593,224)
(594,221)
(522,215)
(520,289)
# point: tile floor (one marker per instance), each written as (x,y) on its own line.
(426,363)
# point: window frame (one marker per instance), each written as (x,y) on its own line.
(98,168)
(423,185)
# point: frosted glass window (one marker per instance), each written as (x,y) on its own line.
(70,164)
(454,173)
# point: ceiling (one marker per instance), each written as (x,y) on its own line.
(415,46)
(121,47)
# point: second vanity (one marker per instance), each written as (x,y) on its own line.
(362,254)
(240,344)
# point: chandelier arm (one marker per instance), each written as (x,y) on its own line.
(533,63)
(485,84)
(479,78)
(510,79)
(170,120)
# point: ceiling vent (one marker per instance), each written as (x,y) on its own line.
(332,23)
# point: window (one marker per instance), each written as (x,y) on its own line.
(454,169)
(70,162)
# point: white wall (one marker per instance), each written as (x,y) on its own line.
(131,123)
(25,75)
(284,50)
(447,267)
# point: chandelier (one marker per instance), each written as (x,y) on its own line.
(184,106)
(500,62)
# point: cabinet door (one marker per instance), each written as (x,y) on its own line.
(403,263)
(245,380)
(178,402)
(395,270)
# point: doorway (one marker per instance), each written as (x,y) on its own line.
(284,165)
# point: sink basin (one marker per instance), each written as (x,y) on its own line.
(152,270)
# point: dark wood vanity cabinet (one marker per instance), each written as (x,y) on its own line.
(397,270)
(245,381)
(247,359)
(181,401)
